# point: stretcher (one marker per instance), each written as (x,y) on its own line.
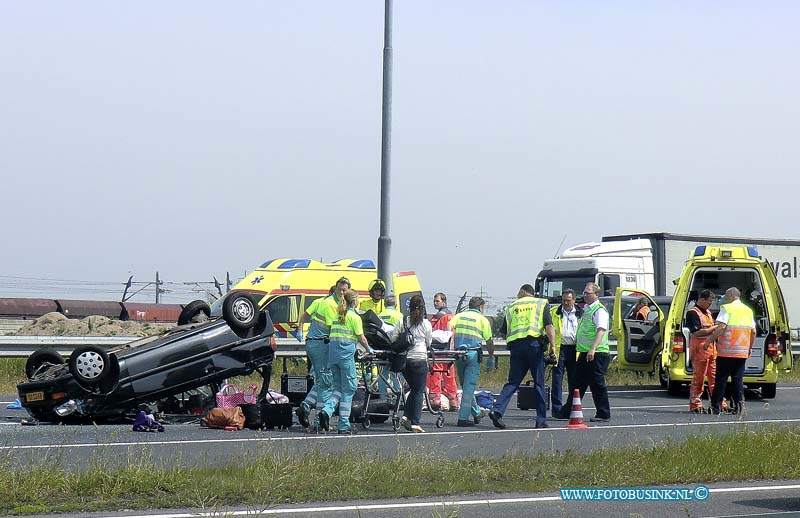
(384,360)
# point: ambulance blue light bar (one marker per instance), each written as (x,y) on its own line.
(363,264)
(752,251)
(295,263)
(700,250)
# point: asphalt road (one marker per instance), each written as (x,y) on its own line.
(640,415)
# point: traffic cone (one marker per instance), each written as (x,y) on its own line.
(576,415)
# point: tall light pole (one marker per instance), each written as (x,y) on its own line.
(384,241)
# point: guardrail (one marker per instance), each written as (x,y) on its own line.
(23,346)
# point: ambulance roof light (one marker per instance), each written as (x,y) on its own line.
(752,251)
(700,250)
(363,264)
(294,263)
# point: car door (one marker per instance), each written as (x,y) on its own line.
(780,323)
(638,341)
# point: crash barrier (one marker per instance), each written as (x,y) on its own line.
(23,346)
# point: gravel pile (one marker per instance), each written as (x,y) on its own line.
(56,324)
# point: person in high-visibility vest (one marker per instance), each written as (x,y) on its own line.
(704,360)
(735,335)
(321,313)
(469,329)
(390,315)
(346,330)
(593,358)
(527,325)
(565,318)
(375,302)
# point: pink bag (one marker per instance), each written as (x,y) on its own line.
(230,396)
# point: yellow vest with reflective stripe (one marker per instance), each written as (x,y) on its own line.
(524,317)
(735,341)
(469,328)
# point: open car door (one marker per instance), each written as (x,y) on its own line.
(779,325)
(638,341)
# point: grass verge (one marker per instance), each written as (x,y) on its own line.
(270,478)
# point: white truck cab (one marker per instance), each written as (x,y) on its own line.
(610,265)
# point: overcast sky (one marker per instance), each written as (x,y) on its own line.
(195,138)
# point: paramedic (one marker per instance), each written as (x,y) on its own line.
(704,360)
(469,329)
(346,330)
(375,301)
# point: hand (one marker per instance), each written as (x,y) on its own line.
(590,356)
(705,346)
(490,362)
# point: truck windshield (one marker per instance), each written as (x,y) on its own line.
(552,287)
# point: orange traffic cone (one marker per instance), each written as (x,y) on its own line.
(576,415)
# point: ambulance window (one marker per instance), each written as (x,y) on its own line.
(405,300)
(283,309)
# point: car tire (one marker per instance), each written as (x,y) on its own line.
(768,390)
(193,311)
(89,365)
(39,358)
(662,374)
(240,311)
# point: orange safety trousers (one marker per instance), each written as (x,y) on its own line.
(704,365)
(442,380)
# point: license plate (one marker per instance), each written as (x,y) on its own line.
(34,396)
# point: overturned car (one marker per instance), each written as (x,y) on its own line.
(95,382)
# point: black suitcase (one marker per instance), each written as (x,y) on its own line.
(525,396)
(377,405)
(252,416)
(276,415)
(296,388)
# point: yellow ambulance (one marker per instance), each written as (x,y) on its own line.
(661,343)
(288,286)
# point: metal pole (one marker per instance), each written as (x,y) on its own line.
(158,289)
(384,241)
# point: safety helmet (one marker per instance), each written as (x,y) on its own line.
(377,284)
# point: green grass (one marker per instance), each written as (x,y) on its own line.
(269,478)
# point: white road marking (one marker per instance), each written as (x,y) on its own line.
(361,436)
(417,505)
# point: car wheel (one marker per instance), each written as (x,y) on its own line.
(240,311)
(39,358)
(768,390)
(673,387)
(89,364)
(662,374)
(195,311)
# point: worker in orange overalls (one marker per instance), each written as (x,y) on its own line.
(704,360)
(442,377)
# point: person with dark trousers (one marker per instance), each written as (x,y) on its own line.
(565,318)
(527,325)
(593,358)
(735,334)
(416,370)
